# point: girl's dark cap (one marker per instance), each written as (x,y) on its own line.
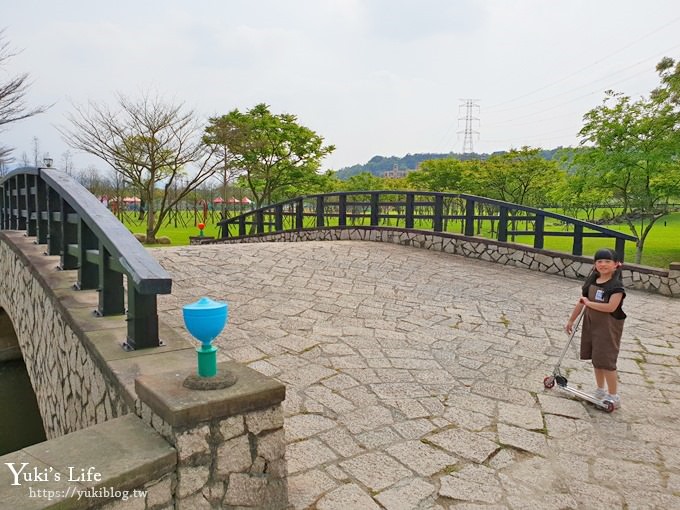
(606,254)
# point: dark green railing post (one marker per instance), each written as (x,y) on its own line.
(69,235)
(278,217)
(437,219)
(503,224)
(242,225)
(299,215)
(53,222)
(259,221)
(88,272)
(410,201)
(3,206)
(577,248)
(111,290)
(620,248)
(470,217)
(13,206)
(342,210)
(31,205)
(539,228)
(320,211)
(375,209)
(42,226)
(22,198)
(142,320)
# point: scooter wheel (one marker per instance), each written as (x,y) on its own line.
(609,406)
(549,382)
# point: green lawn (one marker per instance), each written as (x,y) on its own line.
(661,248)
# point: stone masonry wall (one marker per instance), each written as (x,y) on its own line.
(234,462)
(570,266)
(71,391)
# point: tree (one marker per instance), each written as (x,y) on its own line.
(438,175)
(13,96)
(520,176)
(633,151)
(151,143)
(272,153)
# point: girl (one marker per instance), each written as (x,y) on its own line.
(602,297)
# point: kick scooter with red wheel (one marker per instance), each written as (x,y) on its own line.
(562,383)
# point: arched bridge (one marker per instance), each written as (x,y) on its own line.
(422,211)
(412,378)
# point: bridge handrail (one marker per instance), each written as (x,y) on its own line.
(470,216)
(60,212)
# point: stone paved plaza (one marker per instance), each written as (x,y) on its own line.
(415,378)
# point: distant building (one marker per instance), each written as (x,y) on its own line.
(396,173)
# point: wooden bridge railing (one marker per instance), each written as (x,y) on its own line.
(419,210)
(50,205)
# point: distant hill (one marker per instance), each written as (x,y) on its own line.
(377,165)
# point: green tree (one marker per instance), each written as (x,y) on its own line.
(520,176)
(633,151)
(272,153)
(438,175)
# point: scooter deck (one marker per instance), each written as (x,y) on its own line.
(605,405)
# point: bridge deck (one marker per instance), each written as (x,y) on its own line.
(415,378)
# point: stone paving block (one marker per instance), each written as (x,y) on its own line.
(533,442)
(407,496)
(375,439)
(626,473)
(472,484)
(307,454)
(544,502)
(302,426)
(464,444)
(342,442)
(422,458)
(367,418)
(347,497)
(376,470)
(328,398)
(596,497)
(520,416)
(304,489)
(562,406)
(414,429)
(468,420)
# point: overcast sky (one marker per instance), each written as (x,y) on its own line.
(373,77)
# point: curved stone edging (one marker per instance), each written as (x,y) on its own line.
(658,281)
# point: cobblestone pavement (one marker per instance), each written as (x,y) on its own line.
(415,378)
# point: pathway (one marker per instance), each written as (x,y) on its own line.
(415,378)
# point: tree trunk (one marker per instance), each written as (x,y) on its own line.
(150,224)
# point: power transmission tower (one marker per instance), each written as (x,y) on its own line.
(470,105)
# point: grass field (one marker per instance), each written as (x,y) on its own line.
(661,247)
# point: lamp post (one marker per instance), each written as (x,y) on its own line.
(205,319)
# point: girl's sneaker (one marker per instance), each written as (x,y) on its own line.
(599,393)
(615,399)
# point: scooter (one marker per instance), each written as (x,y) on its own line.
(562,383)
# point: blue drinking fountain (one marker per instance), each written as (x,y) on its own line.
(205,319)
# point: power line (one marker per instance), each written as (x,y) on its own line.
(588,66)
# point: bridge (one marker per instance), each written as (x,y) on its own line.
(413,377)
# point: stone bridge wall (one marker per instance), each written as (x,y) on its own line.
(666,282)
(71,390)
